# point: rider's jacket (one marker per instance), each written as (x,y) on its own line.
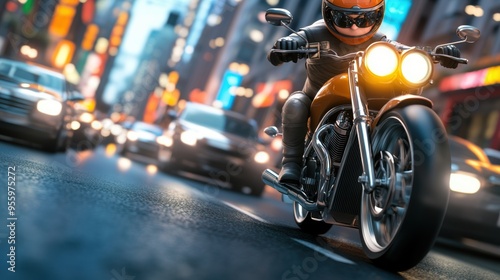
(332,62)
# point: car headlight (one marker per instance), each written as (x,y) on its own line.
(97,125)
(86,117)
(75,125)
(416,68)
(49,107)
(189,137)
(380,62)
(261,157)
(165,141)
(464,183)
(132,135)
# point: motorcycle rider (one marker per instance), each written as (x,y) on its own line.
(348,26)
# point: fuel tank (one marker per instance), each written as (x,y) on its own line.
(335,92)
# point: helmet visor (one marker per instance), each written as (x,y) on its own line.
(363,19)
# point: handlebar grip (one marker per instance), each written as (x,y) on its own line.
(457,59)
(299,51)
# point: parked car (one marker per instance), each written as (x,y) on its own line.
(222,146)
(34,105)
(473,215)
(143,142)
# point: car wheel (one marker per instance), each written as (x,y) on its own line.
(167,161)
(59,144)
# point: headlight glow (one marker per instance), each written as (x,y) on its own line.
(416,68)
(86,117)
(189,137)
(464,183)
(97,125)
(164,140)
(49,107)
(261,157)
(75,125)
(381,60)
(132,136)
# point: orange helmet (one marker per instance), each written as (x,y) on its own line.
(337,13)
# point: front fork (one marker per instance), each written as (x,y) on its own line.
(362,122)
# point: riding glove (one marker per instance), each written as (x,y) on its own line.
(286,43)
(448,50)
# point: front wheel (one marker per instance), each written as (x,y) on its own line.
(306,223)
(401,218)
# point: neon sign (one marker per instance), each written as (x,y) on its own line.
(484,77)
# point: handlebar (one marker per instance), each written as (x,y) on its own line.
(313,50)
(298,51)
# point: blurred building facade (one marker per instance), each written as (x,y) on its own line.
(214,52)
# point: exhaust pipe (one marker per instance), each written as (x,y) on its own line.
(271,178)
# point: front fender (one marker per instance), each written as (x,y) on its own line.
(398,102)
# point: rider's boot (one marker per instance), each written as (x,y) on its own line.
(294,119)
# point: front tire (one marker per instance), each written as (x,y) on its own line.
(304,220)
(400,220)
(58,144)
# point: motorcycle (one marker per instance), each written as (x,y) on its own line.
(376,156)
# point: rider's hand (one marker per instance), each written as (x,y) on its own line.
(286,43)
(448,50)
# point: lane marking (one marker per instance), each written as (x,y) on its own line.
(325,252)
(314,247)
(251,215)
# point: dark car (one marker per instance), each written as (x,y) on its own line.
(34,105)
(473,215)
(86,128)
(143,142)
(222,146)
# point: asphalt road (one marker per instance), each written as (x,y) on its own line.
(93,215)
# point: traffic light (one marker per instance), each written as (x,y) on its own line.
(27,6)
(89,37)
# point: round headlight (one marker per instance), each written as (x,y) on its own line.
(165,141)
(49,107)
(86,117)
(132,136)
(381,61)
(416,68)
(189,137)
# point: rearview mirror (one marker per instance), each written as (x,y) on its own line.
(468,33)
(278,16)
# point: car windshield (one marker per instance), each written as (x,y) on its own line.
(28,74)
(220,122)
(148,128)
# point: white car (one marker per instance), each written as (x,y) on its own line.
(35,105)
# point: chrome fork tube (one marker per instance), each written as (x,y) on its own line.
(361,122)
